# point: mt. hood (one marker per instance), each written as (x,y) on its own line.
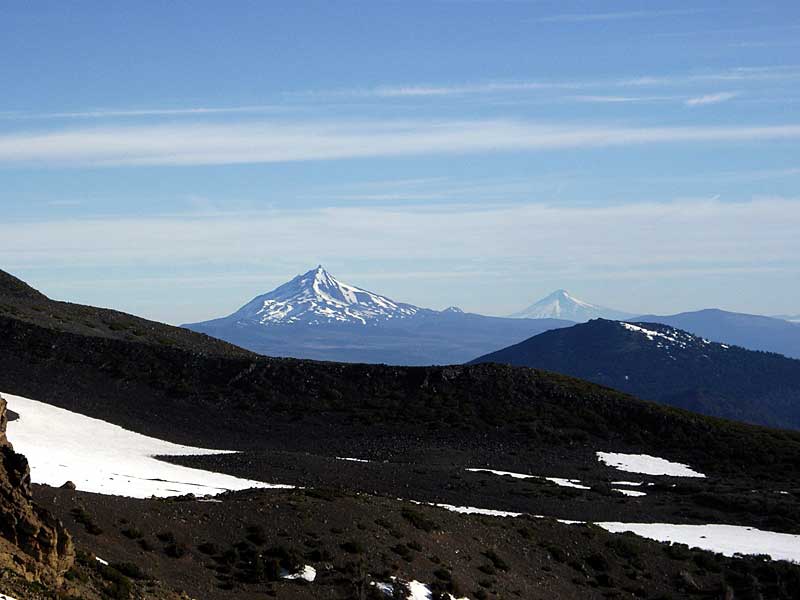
(561,305)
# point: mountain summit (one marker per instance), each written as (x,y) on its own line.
(316,298)
(561,305)
(317,316)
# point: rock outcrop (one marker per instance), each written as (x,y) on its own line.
(33,543)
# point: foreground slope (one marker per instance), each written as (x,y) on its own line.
(671,366)
(245,546)
(319,317)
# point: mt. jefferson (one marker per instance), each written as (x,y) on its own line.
(316,298)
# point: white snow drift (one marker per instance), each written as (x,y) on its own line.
(725,539)
(646,464)
(559,481)
(417,590)
(307,573)
(106,459)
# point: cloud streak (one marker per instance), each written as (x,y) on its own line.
(711,98)
(147,112)
(613,16)
(684,233)
(274,142)
(742,75)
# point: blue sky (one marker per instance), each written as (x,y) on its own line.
(176,160)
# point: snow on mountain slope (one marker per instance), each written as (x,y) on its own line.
(561,305)
(103,458)
(670,337)
(317,297)
(790,318)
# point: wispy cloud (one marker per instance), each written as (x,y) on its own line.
(487,87)
(147,112)
(683,232)
(711,98)
(595,99)
(422,90)
(268,142)
(613,16)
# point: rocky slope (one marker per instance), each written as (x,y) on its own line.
(33,544)
(22,303)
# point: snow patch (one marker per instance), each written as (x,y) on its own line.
(471,510)
(632,493)
(560,481)
(646,464)
(104,458)
(571,483)
(417,590)
(359,460)
(724,539)
(307,573)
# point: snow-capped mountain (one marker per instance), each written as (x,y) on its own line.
(317,297)
(317,316)
(561,305)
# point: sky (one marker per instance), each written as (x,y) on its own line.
(176,159)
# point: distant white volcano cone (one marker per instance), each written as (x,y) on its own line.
(561,305)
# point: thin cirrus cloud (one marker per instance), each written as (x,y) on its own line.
(146,112)
(686,232)
(274,142)
(742,75)
(711,98)
(613,16)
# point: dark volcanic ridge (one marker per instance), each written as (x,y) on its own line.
(667,365)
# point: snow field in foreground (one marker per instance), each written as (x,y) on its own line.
(100,457)
(646,464)
(724,539)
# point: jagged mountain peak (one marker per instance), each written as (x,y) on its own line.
(560,304)
(316,297)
